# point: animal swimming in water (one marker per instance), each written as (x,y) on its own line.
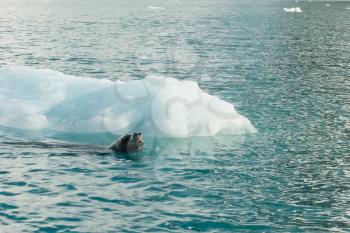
(128,143)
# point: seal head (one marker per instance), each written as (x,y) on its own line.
(128,143)
(135,143)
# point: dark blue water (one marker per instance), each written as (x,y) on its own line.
(288,73)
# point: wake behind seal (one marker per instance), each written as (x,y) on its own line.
(128,143)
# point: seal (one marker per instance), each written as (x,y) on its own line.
(128,143)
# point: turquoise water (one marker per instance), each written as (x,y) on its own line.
(288,73)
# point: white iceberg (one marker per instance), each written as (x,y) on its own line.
(35,99)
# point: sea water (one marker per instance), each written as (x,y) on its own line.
(245,109)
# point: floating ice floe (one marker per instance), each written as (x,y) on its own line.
(34,99)
(293,9)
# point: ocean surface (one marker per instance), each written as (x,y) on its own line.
(287,73)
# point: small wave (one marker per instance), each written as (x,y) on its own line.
(34,99)
(293,9)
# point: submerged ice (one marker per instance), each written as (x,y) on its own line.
(34,99)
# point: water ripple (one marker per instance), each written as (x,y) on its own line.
(287,73)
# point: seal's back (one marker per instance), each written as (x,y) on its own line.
(123,143)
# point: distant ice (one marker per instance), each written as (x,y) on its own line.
(293,9)
(156,8)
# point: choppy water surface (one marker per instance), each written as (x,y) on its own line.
(288,73)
